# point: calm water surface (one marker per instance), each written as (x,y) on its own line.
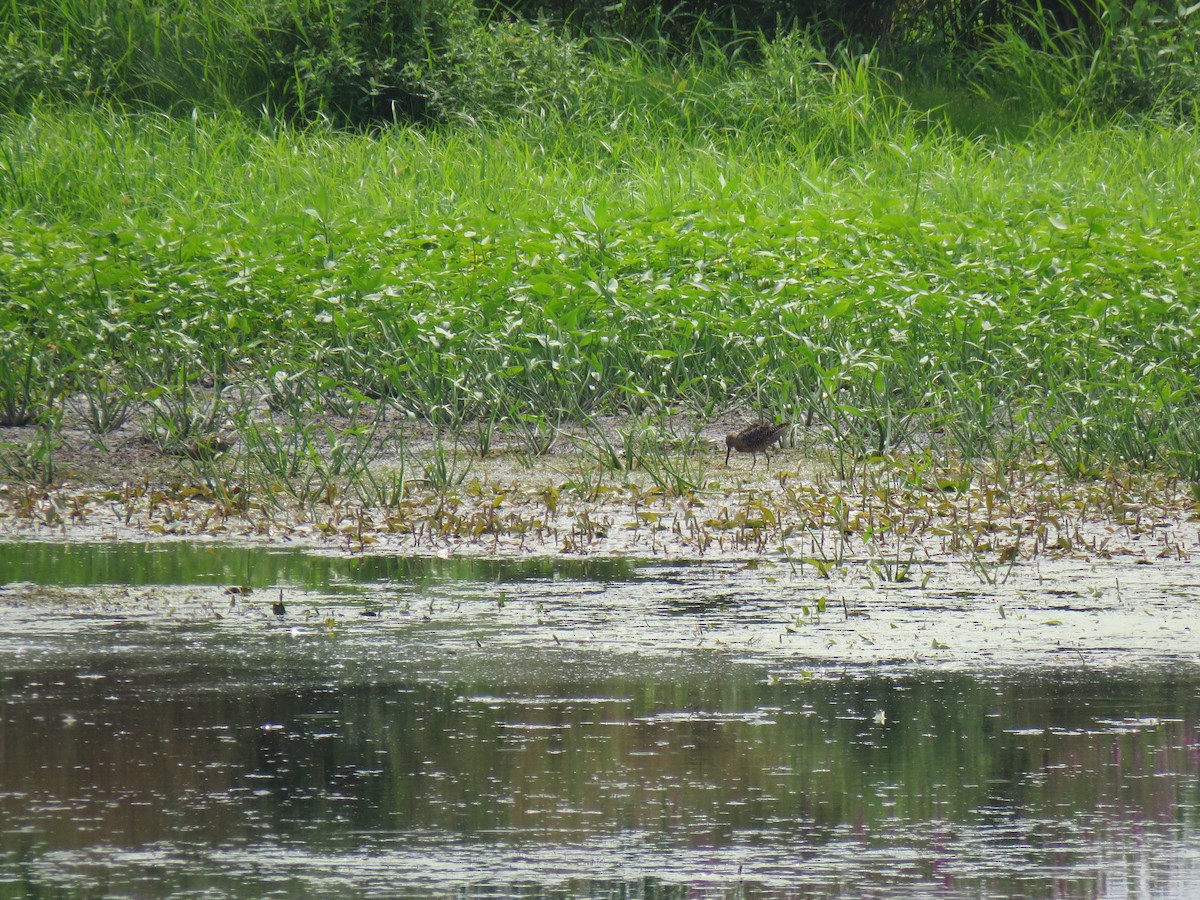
(232,752)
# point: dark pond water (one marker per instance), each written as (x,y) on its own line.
(233,752)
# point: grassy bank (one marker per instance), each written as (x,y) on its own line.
(726,238)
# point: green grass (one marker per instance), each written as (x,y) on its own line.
(719,237)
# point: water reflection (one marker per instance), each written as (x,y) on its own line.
(137,564)
(471,751)
(135,768)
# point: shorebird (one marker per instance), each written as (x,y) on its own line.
(754,440)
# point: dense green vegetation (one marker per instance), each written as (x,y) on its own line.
(570,227)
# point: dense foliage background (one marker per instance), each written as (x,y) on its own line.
(971,226)
(362,62)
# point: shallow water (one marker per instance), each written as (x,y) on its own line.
(599,728)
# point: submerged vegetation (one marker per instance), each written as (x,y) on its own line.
(988,268)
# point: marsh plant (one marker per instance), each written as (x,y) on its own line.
(104,402)
(535,433)
(32,459)
(763,223)
(675,474)
(445,466)
(186,419)
(24,381)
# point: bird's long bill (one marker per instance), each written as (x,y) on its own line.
(728,450)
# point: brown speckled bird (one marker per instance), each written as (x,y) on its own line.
(754,440)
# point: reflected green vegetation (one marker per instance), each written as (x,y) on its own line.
(596,727)
(182,563)
(557,754)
